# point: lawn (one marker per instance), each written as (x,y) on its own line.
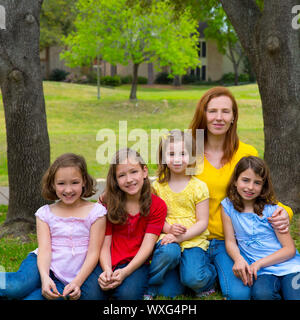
(74,117)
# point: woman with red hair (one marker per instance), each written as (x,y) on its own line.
(217,114)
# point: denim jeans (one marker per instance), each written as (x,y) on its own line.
(172,271)
(271,287)
(26,283)
(232,287)
(133,287)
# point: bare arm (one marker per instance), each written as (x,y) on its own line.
(95,242)
(202,213)
(49,289)
(104,279)
(287,251)
(240,268)
(142,255)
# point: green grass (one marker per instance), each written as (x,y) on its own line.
(74,117)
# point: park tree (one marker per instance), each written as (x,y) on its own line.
(121,34)
(28,151)
(56,21)
(269,34)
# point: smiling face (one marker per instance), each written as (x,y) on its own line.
(219,115)
(177,157)
(130,176)
(68,184)
(249,185)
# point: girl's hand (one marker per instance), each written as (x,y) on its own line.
(49,290)
(254,267)
(72,290)
(105,280)
(242,270)
(176,229)
(280,220)
(168,238)
(118,276)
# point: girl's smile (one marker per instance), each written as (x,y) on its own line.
(130,177)
(177,157)
(68,184)
(249,185)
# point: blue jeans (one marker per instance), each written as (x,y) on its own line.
(26,283)
(133,287)
(172,271)
(271,287)
(232,287)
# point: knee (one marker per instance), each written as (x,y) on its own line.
(169,254)
(198,280)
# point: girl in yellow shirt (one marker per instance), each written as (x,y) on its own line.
(217,114)
(182,246)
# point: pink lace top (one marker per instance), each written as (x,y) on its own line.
(69,240)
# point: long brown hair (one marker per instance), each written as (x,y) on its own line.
(260,168)
(199,121)
(115,198)
(163,171)
(64,161)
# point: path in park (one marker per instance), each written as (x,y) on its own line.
(4,194)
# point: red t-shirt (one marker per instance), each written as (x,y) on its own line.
(127,238)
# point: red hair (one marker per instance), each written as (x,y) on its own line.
(199,121)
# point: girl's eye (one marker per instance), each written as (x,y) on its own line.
(258,182)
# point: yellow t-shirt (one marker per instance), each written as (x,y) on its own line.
(182,208)
(217,181)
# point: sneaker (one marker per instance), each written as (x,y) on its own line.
(205,293)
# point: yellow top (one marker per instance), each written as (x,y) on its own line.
(217,181)
(182,208)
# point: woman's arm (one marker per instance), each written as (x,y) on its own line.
(95,242)
(49,290)
(142,255)
(240,268)
(287,251)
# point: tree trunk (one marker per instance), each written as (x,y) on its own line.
(273,48)
(150,73)
(134,82)
(28,150)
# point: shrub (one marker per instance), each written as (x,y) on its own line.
(244,77)
(189,78)
(58,75)
(228,77)
(111,81)
(163,78)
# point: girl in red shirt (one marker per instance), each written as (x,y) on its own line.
(135,220)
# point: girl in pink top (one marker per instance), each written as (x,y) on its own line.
(70,233)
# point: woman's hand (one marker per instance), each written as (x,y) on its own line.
(49,290)
(72,290)
(176,229)
(280,220)
(242,270)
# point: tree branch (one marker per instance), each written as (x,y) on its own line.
(244,16)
